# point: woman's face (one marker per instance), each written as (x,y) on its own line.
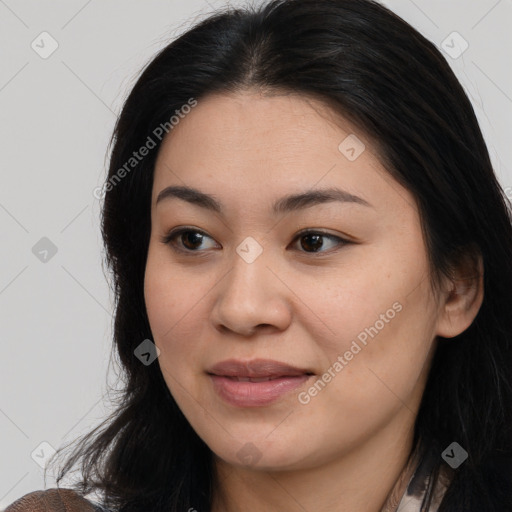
(349,306)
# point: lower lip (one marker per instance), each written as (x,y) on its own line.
(255,394)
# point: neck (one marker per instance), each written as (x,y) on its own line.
(371,477)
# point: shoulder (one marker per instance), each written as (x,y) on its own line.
(53,500)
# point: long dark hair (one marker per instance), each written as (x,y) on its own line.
(374,69)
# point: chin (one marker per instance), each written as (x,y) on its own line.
(262,455)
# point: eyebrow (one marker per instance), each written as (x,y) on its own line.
(285,204)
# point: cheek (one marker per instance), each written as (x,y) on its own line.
(169,294)
(344,303)
(175,304)
(384,358)
(166,304)
(380,318)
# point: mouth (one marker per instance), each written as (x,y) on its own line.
(257,382)
(254,379)
(256,369)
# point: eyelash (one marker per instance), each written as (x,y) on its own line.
(170,239)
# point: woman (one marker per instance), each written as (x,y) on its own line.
(337,333)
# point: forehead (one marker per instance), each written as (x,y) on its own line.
(266,145)
(244,120)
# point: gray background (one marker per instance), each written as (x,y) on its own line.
(56,117)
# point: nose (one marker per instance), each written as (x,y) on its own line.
(252,297)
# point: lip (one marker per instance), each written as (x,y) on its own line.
(256,368)
(280,378)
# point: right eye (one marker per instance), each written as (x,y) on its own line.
(184,240)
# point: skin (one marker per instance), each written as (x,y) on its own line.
(294,305)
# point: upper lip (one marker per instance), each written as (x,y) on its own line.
(255,368)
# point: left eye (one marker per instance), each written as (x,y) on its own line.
(314,240)
(190,238)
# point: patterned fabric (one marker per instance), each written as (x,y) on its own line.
(427,485)
(52,500)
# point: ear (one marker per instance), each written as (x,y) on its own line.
(462,295)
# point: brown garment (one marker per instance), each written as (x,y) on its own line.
(52,500)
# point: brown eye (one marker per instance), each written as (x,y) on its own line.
(190,239)
(314,241)
(185,239)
